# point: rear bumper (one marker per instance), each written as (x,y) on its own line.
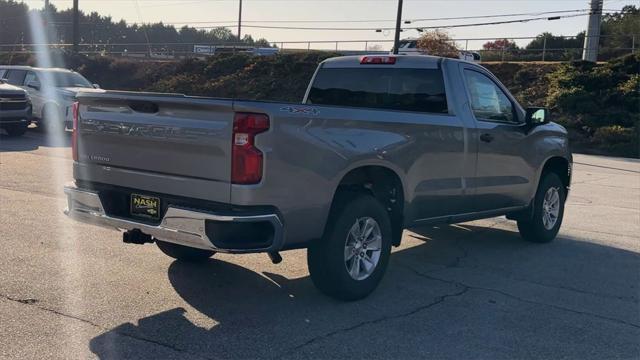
(178,225)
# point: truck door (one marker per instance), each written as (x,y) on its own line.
(502,178)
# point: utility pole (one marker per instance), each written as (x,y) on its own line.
(76,26)
(396,40)
(592,39)
(45,12)
(240,22)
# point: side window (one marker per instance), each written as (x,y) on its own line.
(30,78)
(2,73)
(488,101)
(16,77)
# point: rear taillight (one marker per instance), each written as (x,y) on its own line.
(246,159)
(74,135)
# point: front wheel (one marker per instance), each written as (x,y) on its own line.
(350,260)
(548,211)
(184,253)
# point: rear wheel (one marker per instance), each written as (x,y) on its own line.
(350,260)
(548,211)
(184,253)
(14,130)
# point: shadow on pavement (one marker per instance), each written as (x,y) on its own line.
(32,140)
(267,315)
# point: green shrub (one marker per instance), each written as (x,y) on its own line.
(600,100)
(617,140)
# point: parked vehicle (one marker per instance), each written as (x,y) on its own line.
(410,47)
(15,109)
(262,51)
(52,91)
(379,144)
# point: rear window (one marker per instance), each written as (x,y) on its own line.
(419,90)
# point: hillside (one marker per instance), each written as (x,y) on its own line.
(599,104)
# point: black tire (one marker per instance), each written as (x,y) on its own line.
(15,130)
(533,229)
(326,256)
(184,253)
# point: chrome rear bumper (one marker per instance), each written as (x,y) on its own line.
(179,226)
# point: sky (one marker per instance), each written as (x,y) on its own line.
(381,13)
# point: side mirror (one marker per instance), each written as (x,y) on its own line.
(34,85)
(537,116)
(96,86)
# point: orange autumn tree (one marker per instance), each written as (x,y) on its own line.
(438,43)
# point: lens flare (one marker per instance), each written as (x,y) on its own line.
(57,139)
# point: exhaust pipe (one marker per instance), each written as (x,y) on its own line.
(275,257)
(136,237)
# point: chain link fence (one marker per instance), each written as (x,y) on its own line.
(611,46)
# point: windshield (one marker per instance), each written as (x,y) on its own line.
(411,44)
(69,79)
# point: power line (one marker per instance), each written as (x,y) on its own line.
(347,28)
(381,20)
(187,22)
(406,28)
(502,15)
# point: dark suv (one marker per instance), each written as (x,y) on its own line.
(15,109)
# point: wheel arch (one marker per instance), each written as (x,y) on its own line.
(559,165)
(381,181)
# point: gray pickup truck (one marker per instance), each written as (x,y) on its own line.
(379,144)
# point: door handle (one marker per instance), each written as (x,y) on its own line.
(486,138)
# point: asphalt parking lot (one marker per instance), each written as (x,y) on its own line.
(474,290)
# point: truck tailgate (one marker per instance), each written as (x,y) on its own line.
(163,143)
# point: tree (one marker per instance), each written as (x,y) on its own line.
(500,44)
(618,28)
(616,37)
(15,28)
(438,43)
(556,42)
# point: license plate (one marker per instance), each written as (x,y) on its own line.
(147,206)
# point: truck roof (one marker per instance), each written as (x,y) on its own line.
(402,61)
